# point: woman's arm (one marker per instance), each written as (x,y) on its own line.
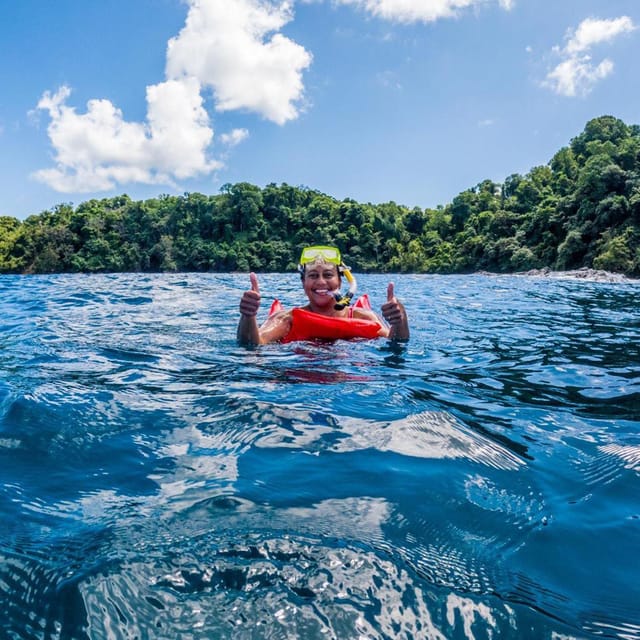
(248,332)
(274,328)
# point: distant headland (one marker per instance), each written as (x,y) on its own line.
(579,214)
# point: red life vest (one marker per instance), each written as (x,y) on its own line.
(306,325)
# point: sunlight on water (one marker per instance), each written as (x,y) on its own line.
(159,481)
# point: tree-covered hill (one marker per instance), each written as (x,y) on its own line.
(582,209)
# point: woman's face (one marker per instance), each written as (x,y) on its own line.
(320,281)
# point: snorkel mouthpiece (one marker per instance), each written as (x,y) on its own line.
(343,301)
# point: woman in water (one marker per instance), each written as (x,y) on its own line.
(321,270)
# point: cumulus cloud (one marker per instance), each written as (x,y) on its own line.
(576,74)
(98,149)
(227,45)
(408,11)
(230,48)
(591,32)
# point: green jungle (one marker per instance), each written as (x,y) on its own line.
(582,209)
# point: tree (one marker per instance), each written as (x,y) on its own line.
(602,129)
(9,228)
(616,254)
(245,204)
(571,251)
(461,208)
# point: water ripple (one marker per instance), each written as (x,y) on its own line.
(159,481)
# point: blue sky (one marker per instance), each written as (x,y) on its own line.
(377,100)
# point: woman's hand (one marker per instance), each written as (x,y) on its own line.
(250,301)
(394,313)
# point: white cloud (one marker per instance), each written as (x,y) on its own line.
(408,11)
(97,150)
(591,32)
(228,46)
(234,137)
(576,74)
(233,48)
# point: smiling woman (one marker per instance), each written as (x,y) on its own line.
(328,315)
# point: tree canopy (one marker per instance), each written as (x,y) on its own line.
(581,209)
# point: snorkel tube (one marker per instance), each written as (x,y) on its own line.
(343,301)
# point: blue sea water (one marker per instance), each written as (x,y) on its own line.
(160,481)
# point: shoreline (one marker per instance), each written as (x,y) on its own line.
(587,274)
(584,273)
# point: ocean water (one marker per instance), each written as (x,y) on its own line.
(160,481)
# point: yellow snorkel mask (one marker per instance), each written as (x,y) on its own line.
(330,255)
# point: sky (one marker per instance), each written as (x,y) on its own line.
(411,101)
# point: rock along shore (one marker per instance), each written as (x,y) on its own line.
(585,273)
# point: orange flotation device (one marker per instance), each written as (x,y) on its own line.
(306,325)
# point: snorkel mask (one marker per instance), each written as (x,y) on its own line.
(330,255)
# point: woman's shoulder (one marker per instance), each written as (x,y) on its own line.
(279,316)
(276,326)
(365,314)
(283,313)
